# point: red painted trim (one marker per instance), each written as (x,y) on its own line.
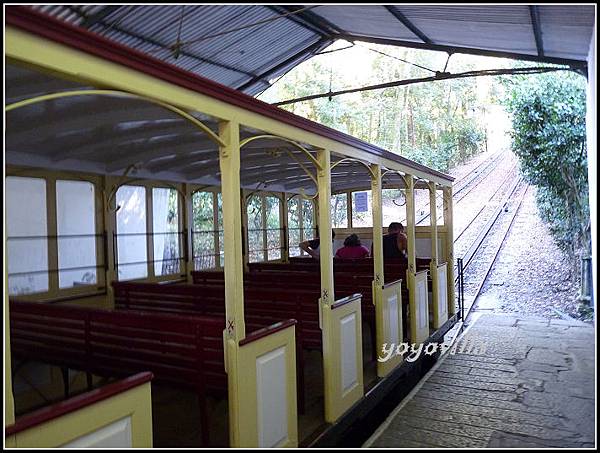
(76,403)
(78,38)
(266,331)
(345,300)
(421,272)
(387,285)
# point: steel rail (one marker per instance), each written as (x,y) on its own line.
(468,256)
(496,253)
(475,172)
(502,184)
(477,176)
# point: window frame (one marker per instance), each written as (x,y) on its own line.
(150,274)
(54,291)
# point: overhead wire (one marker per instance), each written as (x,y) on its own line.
(437,77)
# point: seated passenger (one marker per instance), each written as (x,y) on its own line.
(352,249)
(312,247)
(394,242)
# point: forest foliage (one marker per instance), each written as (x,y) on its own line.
(549,137)
(439,124)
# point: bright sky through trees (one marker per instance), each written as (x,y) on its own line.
(439,124)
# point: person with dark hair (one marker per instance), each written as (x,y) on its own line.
(394,242)
(312,247)
(352,249)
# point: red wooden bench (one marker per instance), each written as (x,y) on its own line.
(262,308)
(186,351)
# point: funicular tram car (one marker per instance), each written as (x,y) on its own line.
(153,219)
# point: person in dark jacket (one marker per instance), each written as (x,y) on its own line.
(312,247)
(394,242)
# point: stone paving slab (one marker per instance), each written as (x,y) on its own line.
(531,386)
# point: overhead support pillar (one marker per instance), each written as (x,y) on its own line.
(449,245)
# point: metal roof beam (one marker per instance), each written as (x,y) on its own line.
(465,50)
(408,24)
(281,10)
(93,19)
(311,49)
(537,31)
(315,20)
(167,47)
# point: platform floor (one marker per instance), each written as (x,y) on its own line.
(513,381)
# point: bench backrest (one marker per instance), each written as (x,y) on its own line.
(183,350)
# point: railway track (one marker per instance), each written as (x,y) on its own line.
(511,174)
(472,180)
(476,175)
(481,256)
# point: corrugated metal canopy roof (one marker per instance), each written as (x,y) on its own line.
(245,46)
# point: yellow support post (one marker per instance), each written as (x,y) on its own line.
(378,268)
(110,226)
(349,214)
(377,225)
(434,232)
(283,224)
(326,246)
(52,234)
(229,160)
(416,282)
(229,157)
(9,404)
(327,286)
(448,207)
(410,223)
(438,295)
(188,224)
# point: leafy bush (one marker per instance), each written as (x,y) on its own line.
(548,119)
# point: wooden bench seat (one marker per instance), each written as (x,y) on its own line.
(186,351)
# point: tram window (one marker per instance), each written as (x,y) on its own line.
(27,235)
(308,220)
(132,255)
(76,231)
(393,206)
(203,233)
(256,245)
(362,213)
(439,196)
(273,228)
(300,224)
(422,207)
(165,231)
(339,211)
(294,226)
